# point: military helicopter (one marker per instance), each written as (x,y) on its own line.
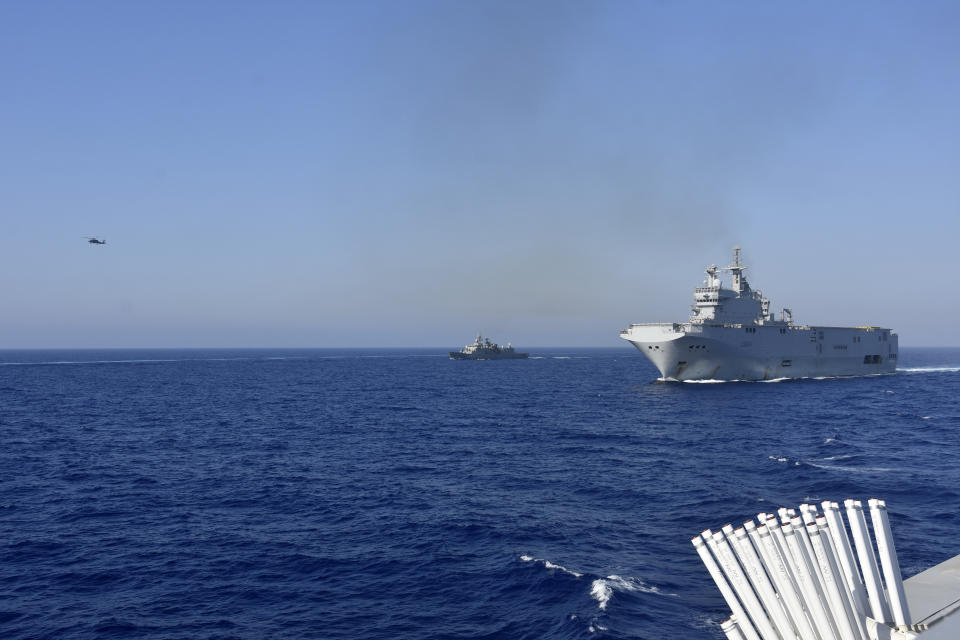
(93,240)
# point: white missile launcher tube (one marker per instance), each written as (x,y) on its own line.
(808,516)
(857,619)
(786,586)
(818,600)
(800,529)
(841,544)
(777,533)
(774,527)
(771,520)
(743,622)
(868,562)
(758,576)
(838,609)
(849,605)
(808,586)
(888,558)
(721,549)
(751,530)
(769,563)
(730,629)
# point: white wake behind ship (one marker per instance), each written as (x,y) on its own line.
(732,335)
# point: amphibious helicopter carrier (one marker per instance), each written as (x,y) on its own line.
(732,335)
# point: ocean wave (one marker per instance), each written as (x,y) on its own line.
(601,592)
(602,589)
(707,623)
(549,565)
(818,463)
(928,369)
(831,467)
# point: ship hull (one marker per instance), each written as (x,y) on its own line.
(457,355)
(686,351)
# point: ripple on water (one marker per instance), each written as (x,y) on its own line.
(344,494)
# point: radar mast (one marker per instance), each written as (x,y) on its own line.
(739,284)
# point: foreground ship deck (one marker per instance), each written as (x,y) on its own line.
(732,335)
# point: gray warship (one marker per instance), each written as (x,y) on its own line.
(483,349)
(732,335)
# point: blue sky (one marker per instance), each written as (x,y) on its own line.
(407,173)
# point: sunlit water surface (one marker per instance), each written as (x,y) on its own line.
(398,494)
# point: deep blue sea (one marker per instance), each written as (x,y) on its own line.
(396,494)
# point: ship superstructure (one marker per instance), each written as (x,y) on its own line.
(483,349)
(733,335)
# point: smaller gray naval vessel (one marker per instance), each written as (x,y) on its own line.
(733,335)
(483,349)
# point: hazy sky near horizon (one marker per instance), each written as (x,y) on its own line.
(380,173)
